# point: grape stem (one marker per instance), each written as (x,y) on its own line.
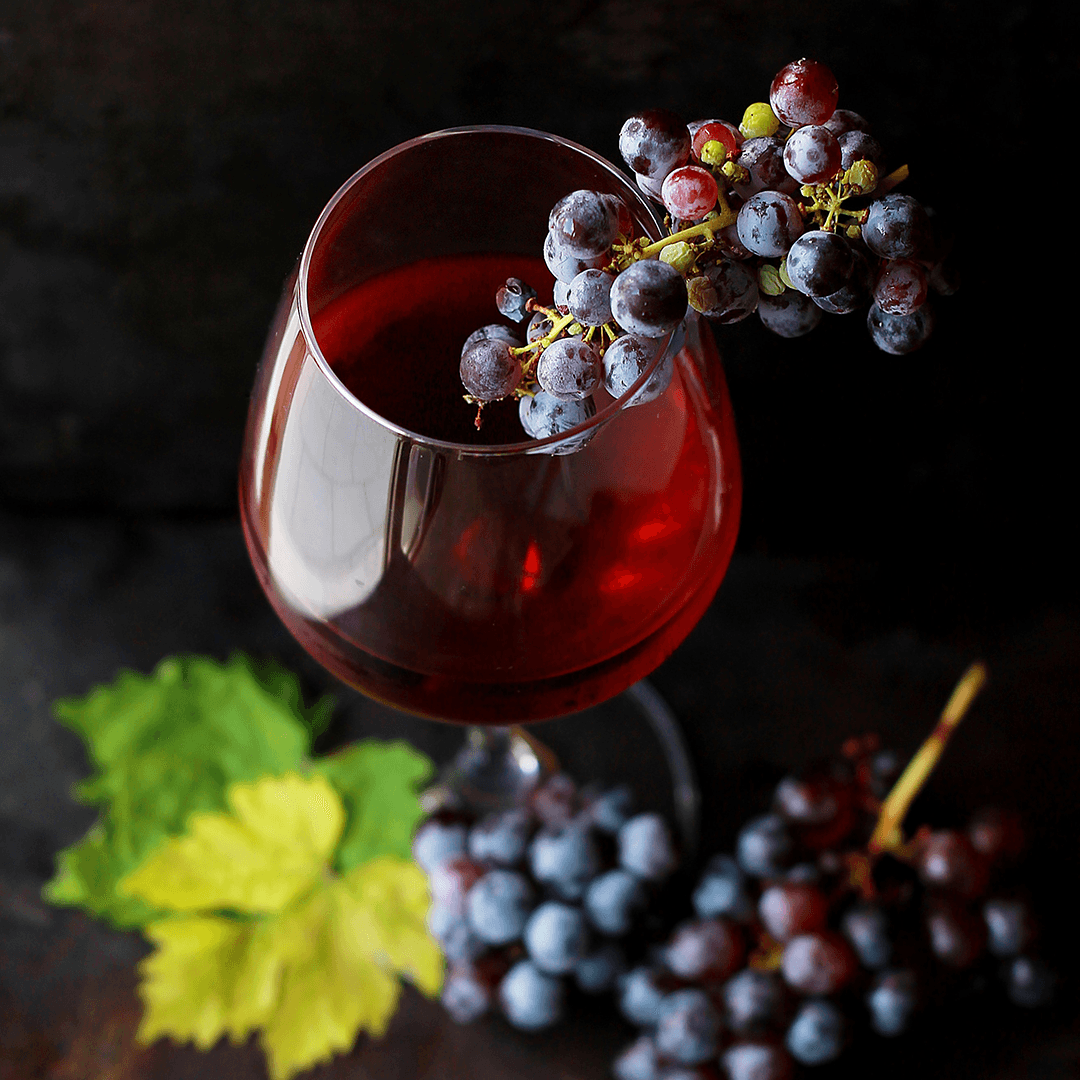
(887,835)
(897,176)
(708,229)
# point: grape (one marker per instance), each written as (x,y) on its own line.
(625,361)
(792,908)
(1009,926)
(640,996)
(769,223)
(817,1033)
(584,223)
(764,846)
(957,936)
(819,263)
(753,1001)
(844,120)
(513,297)
(812,155)
(855,293)
(867,929)
(653,188)
(530,999)
(997,835)
(500,839)
(600,970)
(561,297)
(556,937)
(569,369)
(489,370)
(722,890)
(706,131)
(555,801)
(464,996)
(565,861)
(611,900)
(540,325)
(901,287)
(455,936)
(589,298)
(544,415)
(689,192)
(649,298)
(451,880)
(858,146)
(763,159)
(944,278)
(896,227)
(704,950)
(492,332)
(564,265)
(1030,983)
(687,1027)
(646,848)
(654,142)
(791,314)
(812,801)
(758,119)
(499,905)
(637,1062)
(622,214)
(610,810)
(892,1000)
(727,292)
(435,841)
(947,860)
(756,1061)
(803,92)
(819,963)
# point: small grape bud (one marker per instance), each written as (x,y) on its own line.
(680,255)
(701,294)
(862,177)
(784,274)
(714,152)
(735,173)
(769,280)
(758,120)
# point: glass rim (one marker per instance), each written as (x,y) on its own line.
(527,446)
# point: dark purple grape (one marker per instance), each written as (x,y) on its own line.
(500,838)
(451,880)
(844,120)
(611,901)
(812,155)
(654,142)
(561,297)
(756,1061)
(867,929)
(727,292)
(531,999)
(858,146)
(610,810)
(649,298)
(817,1033)
(957,937)
(769,223)
(625,361)
(764,846)
(450,927)
(584,223)
(723,890)
(589,298)
(638,1061)
(1030,982)
(569,369)
(646,848)
(819,263)
(753,1001)
(565,861)
(947,860)
(543,415)
(703,950)
(563,264)
(540,325)
(556,801)
(489,370)
(436,840)
(556,937)
(896,227)
(600,971)
(855,293)
(819,963)
(640,996)
(1010,928)
(892,1000)
(465,996)
(512,299)
(653,188)
(790,314)
(763,159)
(688,1027)
(499,905)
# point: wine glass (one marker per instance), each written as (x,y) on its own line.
(475,576)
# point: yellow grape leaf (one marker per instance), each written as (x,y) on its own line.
(268,851)
(309,973)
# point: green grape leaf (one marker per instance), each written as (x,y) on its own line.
(378,783)
(165,746)
(280,683)
(309,963)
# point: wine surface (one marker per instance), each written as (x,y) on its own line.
(508,587)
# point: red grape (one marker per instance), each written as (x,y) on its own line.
(803,92)
(689,193)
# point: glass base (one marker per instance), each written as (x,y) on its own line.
(613,743)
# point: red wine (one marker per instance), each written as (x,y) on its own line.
(509,587)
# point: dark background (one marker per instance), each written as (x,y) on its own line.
(160,167)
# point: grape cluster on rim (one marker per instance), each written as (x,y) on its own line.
(790,214)
(536,903)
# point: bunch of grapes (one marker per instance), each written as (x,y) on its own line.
(534,901)
(789,214)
